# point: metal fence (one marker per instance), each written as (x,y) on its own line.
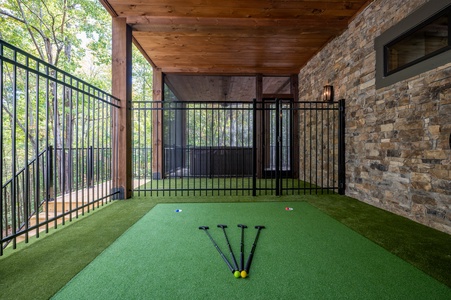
(56,146)
(276,147)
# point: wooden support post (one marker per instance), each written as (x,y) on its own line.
(122,81)
(157,126)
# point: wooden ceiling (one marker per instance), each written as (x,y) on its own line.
(233,36)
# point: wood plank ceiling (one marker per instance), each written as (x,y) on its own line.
(233,36)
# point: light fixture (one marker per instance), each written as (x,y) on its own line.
(328,93)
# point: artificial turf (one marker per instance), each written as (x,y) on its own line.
(40,269)
(302,253)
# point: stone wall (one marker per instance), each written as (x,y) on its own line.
(398,155)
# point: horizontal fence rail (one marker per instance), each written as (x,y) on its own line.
(56,146)
(237,148)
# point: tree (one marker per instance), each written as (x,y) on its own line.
(73,35)
(142,77)
(57,31)
(62,33)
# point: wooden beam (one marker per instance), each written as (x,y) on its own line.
(157,126)
(300,23)
(229,70)
(290,9)
(228,57)
(121,88)
(109,7)
(143,52)
(241,31)
(159,38)
(236,3)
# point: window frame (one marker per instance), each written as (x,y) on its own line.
(423,16)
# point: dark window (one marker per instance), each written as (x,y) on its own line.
(426,40)
(418,43)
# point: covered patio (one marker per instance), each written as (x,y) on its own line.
(273,111)
(229,53)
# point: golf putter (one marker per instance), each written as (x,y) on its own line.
(242,226)
(230,247)
(205,228)
(251,255)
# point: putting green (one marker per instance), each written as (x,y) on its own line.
(302,254)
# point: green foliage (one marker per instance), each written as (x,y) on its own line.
(75,36)
(142,77)
(212,124)
(60,32)
(38,112)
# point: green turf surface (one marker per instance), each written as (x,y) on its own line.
(303,254)
(39,269)
(422,246)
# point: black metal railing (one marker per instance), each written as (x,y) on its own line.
(36,168)
(273,147)
(56,145)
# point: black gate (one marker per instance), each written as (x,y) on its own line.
(273,147)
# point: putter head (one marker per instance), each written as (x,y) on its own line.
(242,225)
(260,227)
(222,226)
(204,227)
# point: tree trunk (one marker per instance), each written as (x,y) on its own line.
(65,138)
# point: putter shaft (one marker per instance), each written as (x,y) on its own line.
(205,228)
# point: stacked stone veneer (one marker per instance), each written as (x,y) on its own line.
(398,155)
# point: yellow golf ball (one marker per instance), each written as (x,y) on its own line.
(243,274)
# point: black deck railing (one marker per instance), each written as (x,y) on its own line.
(56,140)
(244,148)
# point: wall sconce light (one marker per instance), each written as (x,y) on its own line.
(328,93)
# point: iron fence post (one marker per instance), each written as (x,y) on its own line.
(341,148)
(90,167)
(278,145)
(254,147)
(49,174)
(1,150)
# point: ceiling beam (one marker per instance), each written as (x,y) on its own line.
(308,21)
(242,9)
(214,69)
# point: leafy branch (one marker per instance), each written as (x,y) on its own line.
(30,136)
